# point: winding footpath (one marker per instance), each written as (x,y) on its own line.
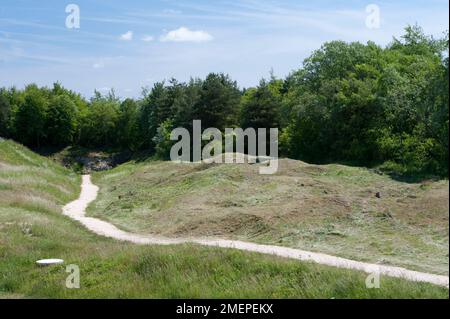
(77,210)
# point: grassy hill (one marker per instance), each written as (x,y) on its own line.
(333,209)
(32,191)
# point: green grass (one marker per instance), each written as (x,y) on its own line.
(32,227)
(330,208)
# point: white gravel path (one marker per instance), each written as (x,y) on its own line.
(77,210)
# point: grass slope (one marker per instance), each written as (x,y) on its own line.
(332,208)
(32,190)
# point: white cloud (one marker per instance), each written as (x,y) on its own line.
(98,65)
(147,38)
(127,36)
(172,12)
(183,34)
(104,89)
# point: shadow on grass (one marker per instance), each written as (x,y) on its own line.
(395,171)
(414,178)
(78,158)
(83,159)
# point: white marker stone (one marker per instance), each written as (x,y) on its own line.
(48,262)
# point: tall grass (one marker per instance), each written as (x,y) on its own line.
(32,190)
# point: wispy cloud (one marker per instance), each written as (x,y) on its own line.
(172,12)
(147,38)
(104,89)
(255,36)
(105,61)
(128,36)
(183,34)
(98,65)
(15,53)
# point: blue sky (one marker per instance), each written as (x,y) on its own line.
(127,45)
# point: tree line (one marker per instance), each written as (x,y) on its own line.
(349,102)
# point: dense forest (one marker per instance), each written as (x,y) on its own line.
(349,102)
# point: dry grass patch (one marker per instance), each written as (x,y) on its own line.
(331,208)
(32,227)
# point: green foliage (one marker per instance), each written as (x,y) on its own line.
(61,121)
(100,121)
(155,110)
(214,101)
(349,102)
(31,116)
(218,102)
(174,101)
(260,107)
(162,140)
(364,104)
(127,125)
(5,114)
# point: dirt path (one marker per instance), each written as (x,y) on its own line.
(77,210)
